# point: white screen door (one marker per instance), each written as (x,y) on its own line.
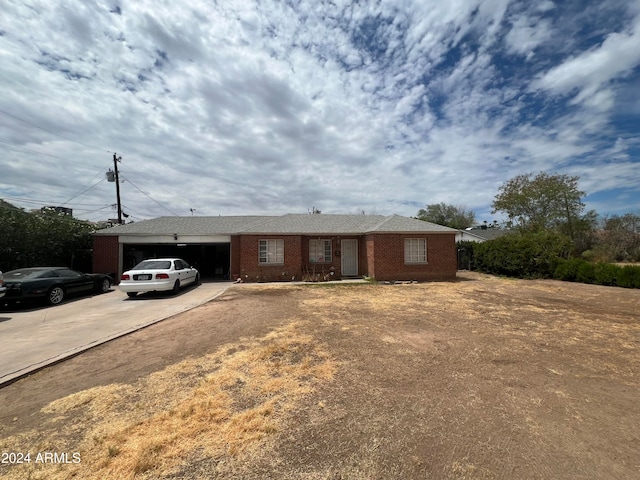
(349,258)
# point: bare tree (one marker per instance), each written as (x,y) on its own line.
(619,238)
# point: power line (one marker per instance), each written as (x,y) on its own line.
(142,175)
(44,202)
(137,217)
(34,151)
(85,190)
(53,133)
(148,196)
(42,153)
(135,213)
(85,211)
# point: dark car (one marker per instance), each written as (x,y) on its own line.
(52,284)
(2,287)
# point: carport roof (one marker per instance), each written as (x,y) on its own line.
(183,226)
(303,224)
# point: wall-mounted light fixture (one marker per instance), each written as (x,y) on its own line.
(175,236)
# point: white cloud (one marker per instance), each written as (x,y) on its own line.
(593,70)
(527,33)
(272,107)
(545,6)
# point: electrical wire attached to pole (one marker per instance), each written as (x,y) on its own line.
(112,176)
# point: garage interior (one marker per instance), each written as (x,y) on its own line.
(212,260)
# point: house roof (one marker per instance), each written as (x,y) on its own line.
(488,234)
(290,224)
(341,224)
(183,225)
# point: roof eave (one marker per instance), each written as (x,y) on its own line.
(414,232)
(334,234)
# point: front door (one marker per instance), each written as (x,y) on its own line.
(349,262)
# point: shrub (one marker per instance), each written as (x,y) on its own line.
(523,255)
(567,270)
(606,273)
(629,277)
(542,255)
(586,273)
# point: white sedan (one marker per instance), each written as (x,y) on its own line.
(158,275)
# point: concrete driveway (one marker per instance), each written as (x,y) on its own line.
(33,336)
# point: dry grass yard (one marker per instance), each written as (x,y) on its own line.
(484,377)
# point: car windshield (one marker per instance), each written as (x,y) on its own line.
(26,273)
(153,265)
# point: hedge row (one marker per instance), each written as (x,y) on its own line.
(530,255)
(543,255)
(579,270)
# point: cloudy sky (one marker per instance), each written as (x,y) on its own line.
(270,107)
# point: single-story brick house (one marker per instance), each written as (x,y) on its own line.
(285,248)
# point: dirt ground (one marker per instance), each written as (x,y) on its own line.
(484,377)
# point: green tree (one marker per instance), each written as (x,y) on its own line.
(448,215)
(540,202)
(43,238)
(582,231)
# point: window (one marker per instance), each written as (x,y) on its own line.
(415,250)
(153,265)
(271,251)
(320,251)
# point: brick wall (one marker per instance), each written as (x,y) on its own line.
(296,258)
(234,260)
(379,255)
(336,260)
(252,271)
(386,260)
(369,252)
(105,255)
(318,268)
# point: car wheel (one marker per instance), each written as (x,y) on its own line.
(176,287)
(132,294)
(197,281)
(105,285)
(55,295)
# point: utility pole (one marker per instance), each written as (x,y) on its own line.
(112,176)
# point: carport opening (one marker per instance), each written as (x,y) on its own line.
(212,259)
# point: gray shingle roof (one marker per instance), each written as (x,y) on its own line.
(488,234)
(397,223)
(183,226)
(286,224)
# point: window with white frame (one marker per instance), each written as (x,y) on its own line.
(271,251)
(415,250)
(320,251)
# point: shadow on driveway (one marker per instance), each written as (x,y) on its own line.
(36,304)
(161,295)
